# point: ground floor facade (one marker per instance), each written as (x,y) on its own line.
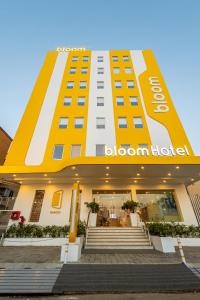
(50,204)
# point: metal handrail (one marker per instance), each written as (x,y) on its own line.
(146,230)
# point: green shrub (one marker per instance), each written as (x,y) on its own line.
(130,204)
(172,229)
(81,228)
(93,206)
(36,231)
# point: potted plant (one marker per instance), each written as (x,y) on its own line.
(94,208)
(130,206)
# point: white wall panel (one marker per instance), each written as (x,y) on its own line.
(100,136)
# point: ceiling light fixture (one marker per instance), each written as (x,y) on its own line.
(76,174)
(107,167)
(142,167)
(45,175)
(107,174)
(169,174)
(106,181)
(177,167)
(164,181)
(14,175)
(73,167)
(138,174)
(49,181)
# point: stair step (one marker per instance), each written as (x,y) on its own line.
(118,247)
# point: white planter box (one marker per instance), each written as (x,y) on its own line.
(93,220)
(190,242)
(135,219)
(72,251)
(163,244)
(35,241)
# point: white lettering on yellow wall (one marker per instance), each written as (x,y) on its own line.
(62,49)
(158,96)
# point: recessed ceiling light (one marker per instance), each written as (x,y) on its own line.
(135,181)
(192,179)
(138,174)
(107,167)
(169,174)
(177,167)
(49,181)
(14,175)
(106,181)
(142,167)
(45,175)
(107,174)
(164,181)
(76,174)
(20,182)
(77,181)
(73,167)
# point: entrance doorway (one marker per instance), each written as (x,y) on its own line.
(110,203)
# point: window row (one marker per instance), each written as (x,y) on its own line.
(75,150)
(100,101)
(100,84)
(73,70)
(100,70)
(100,58)
(100,122)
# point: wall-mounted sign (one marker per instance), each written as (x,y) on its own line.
(151,151)
(62,49)
(57,199)
(159,99)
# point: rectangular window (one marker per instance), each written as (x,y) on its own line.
(125,146)
(82,85)
(84,70)
(85,58)
(100,58)
(74,58)
(58,152)
(100,150)
(78,122)
(81,101)
(133,100)
(63,122)
(128,70)
(137,121)
(122,122)
(72,71)
(130,84)
(37,206)
(115,58)
(100,101)
(70,84)
(118,84)
(100,70)
(100,84)
(125,58)
(120,100)
(100,123)
(144,146)
(67,101)
(75,150)
(116,70)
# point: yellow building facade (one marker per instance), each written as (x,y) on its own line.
(104,119)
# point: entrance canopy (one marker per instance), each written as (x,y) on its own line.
(113,174)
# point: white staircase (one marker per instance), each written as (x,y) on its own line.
(117,238)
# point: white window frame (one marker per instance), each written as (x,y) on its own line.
(81,101)
(84,70)
(82,85)
(100,70)
(128,70)
(116,70)
(78,122)
(63,122)
(115,58)
(100,59)
(120,100)
(100,123)
(100,101)
(130,84)
(125,58)
(70,84)
(122,122)
(72,70)
(118,84)
(74,58)
(67,101)
(132,102)
(138,122)
(85,58)
(100,84)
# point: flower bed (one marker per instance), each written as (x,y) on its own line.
(173,230)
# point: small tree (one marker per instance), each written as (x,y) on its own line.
(94,207)
(130,205)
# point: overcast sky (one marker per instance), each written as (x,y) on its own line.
(28,29)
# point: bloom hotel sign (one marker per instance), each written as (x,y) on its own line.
(151,151)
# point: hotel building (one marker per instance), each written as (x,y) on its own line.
(104,120)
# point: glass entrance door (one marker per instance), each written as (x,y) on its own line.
(110,202)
